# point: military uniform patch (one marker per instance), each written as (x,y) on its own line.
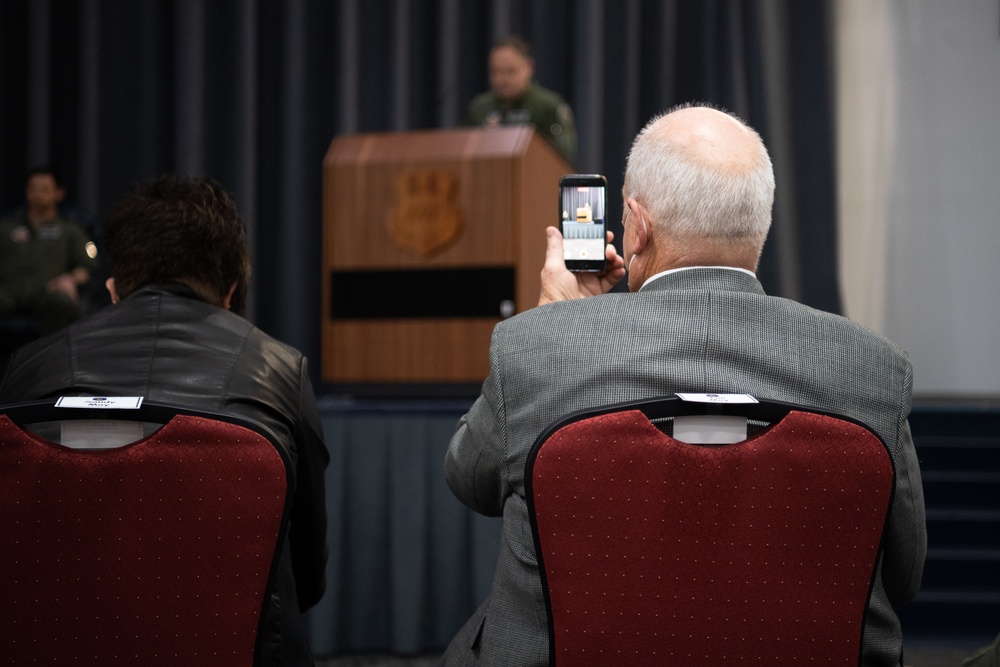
(564,114)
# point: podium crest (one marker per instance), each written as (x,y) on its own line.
(425,218)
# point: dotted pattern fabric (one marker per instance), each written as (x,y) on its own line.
(657,552)
(157,553)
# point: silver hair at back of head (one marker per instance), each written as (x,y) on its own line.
(695,200)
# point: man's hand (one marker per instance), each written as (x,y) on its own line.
(69,283)
(560,284)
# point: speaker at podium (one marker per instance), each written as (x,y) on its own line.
(429,239)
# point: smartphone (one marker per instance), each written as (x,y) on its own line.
(583,203)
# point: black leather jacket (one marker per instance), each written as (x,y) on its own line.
(165,344)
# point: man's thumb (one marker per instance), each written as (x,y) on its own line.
(554,245)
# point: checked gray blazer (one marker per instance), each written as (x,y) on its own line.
(696,330)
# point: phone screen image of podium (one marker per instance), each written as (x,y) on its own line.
(583,222)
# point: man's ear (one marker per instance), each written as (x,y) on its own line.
(110,284)
(228,300)
(640,229)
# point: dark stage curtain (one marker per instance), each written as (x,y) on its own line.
(251,92)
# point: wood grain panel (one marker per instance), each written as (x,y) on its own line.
(387,351)
(537,183)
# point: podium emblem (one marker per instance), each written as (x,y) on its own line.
(425,218)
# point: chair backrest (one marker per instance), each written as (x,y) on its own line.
(657,552)
(161,552)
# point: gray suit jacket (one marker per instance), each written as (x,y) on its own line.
(699,330)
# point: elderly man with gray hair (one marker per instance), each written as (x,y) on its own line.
(698,192)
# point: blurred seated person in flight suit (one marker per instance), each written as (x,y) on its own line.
(515,99)
(44,259)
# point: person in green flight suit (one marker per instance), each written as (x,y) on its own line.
(44,259)
(515,99)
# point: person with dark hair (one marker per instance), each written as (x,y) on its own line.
(174,334)
(44,258)
(191,234)
(515,99)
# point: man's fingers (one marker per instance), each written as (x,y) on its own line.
(553,247)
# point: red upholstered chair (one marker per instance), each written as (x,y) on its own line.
(160,552)
(657,552)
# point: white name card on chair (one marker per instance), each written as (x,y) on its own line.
(718,398)
(712,429)
(100,402)
(99,433)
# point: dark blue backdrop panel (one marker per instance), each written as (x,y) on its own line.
(408,562)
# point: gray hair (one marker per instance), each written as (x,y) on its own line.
(696,200)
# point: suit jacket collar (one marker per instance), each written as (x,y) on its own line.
(706,278)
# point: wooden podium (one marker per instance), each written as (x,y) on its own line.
(429,239)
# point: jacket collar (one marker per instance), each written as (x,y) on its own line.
(714,278)
(176,289)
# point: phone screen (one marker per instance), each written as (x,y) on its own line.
(582,210)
